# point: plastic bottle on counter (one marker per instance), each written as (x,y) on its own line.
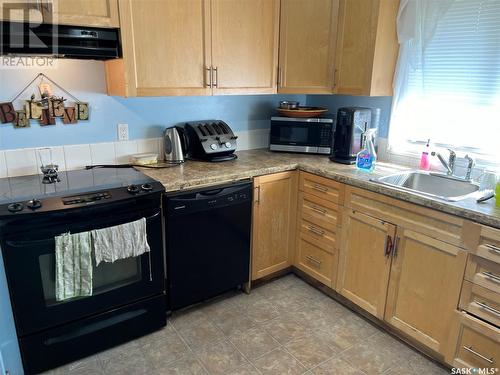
(425,161)
(367,157)
(497,194)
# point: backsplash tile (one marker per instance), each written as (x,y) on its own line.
(3,165)
(103,153)
(77,156)
(123,150)
(149,145)
(21,162)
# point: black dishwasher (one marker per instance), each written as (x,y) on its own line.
(208,242)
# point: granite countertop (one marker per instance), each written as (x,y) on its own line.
(261,162)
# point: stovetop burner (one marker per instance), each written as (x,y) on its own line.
(82,187)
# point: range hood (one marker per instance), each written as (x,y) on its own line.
(59,40)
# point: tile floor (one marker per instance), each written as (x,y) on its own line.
(283,327)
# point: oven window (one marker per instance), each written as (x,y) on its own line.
(106,277)
(294,134)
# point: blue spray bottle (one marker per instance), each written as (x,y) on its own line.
(367,157)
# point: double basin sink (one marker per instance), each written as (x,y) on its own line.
(433,185)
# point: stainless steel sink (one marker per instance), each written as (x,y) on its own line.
(435,185)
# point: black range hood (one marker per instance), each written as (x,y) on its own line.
(59,40)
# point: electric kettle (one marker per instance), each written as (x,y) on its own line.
(173,145)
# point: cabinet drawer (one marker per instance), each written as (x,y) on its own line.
(478,344)
(485,242)
(321,237)
(321,187)
(315,261)
(480,302)
(483,272)
(319,211)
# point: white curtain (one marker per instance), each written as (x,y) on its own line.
(416,24)
(447,79)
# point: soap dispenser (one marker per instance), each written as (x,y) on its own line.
(425,162)
(367,157)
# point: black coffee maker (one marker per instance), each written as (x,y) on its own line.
(348,139)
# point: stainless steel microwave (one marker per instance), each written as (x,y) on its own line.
(305,135)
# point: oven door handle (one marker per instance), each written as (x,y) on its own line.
(44,241)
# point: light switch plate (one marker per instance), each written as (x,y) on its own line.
(123,132)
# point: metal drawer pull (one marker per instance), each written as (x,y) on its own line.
(470,350)
(320,188)
(314,260)
(493,248)
(315,230)
(489,308)
(492,276)
(320,210)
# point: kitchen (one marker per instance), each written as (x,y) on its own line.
(292,262)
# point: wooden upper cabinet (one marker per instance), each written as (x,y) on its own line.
(166,49)
(274,220)
(308,36)
(367,47)
(21,11)
(97,13)
(245,46)
(424,288)
(364,266)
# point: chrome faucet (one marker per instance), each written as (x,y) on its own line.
(470,165)
(450,164)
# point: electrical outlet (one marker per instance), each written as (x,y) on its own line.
(123,132)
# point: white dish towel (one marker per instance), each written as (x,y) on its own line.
(120,242)
(73,265)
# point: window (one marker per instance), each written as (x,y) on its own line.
(447,83)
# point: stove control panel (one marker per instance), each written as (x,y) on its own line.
(87,198)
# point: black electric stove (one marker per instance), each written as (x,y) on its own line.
(128,298)
(30,194)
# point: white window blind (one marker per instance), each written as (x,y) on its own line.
(453,94)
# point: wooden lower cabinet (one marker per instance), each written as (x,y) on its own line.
(364,266)
(274,218)
(424,287)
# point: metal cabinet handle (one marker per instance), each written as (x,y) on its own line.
(278,77)
(320,188)
(315,230)
(210,77)
(257,200)
(470,350)
(317,209)
(335,78)
(492,276)
(395,249)
(313,260)
(215,83)
(493,248)
(489,308)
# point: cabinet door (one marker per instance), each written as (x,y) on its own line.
(308,34)
(97,13)
(424,287)
(274,215)
(245,46)
(166,48)
(21,11)
(367,47)
(364,263)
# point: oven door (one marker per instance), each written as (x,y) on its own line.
(295,135)
(30,265)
